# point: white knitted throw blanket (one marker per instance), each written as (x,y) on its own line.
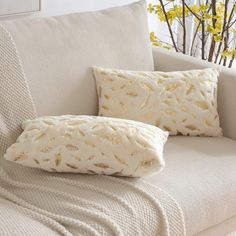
(34,202)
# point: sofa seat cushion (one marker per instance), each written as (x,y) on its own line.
(200,174)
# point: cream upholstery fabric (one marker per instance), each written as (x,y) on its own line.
(224,228)
(92,145)
(57,54)
(181,102)
(200,174)
(170,61)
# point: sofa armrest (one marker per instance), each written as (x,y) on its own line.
(165,60)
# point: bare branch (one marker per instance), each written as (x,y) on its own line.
(194,38)
(221,59)
(198,17)
(196,31)
(226,47)
(214,21)
(203,40)
(184,27)
(223,30)
(232,60)
(169,26)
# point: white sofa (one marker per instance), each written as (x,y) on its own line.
(200,172)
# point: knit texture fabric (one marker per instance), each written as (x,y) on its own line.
(34,202)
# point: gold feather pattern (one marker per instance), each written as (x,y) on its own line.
(58,159)
(102,165)
(21,157)
(71,147)
(121,161)
(63,148)
(163,99)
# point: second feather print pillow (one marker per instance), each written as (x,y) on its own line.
(183,102)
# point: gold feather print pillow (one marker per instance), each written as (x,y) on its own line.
(183,102)
(92,145)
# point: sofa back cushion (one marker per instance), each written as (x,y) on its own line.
(58,52)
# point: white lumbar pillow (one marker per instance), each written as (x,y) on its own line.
(87,144)
(183,102)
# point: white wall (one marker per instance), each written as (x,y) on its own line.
(12,6)
(58,7)
(55,7)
